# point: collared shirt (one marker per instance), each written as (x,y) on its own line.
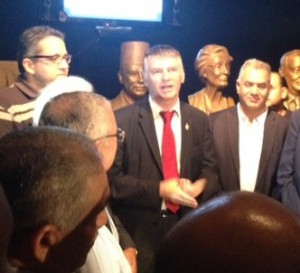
(175,124)
(251,136)
(106,255)
(159,126)
(292,103)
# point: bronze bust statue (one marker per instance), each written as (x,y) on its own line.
(290,71)
(212,65)
(130,74)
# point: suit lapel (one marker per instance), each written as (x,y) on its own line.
(232,125)
(268,142)
(185,135)
(148,129)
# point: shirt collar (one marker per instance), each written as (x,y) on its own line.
(23,85)
(156,109)
(243,118)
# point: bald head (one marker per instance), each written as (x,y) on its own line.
(87,113)
(130,74)
(290,71)
(56,186)
(237,232)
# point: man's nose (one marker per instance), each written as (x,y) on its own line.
(165,75)
(225,70)
(64,64)
(140,77)
(254,89)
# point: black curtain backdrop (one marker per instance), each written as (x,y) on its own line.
(262,29)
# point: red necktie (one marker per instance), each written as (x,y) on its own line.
(169,162)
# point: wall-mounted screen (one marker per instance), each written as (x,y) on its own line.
(127,10)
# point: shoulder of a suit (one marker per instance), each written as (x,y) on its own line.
(187,108)
(228,111)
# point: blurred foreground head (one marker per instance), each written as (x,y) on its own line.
(5,230)
(238,232)
(57,188)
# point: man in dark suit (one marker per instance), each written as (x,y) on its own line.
(288,176)
(140,190)
(249,138)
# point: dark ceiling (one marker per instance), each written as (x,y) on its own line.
(263,29)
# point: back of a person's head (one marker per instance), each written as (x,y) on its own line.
(44,173)
(237,232)
(60,86)
(87,113)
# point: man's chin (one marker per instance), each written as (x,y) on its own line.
(138,95)
(223,84)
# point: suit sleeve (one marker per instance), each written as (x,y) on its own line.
(210,166)
(286,176)
(134,177)
(127,188)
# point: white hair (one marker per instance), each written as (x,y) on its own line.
(60,86)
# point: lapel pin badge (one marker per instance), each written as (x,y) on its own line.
(187,126)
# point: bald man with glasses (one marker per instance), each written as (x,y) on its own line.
(71,103)
(42,58)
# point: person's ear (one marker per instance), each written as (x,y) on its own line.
(120,77)
(28,66)
(102,149)
(237,84)
(284,93)
(43,240)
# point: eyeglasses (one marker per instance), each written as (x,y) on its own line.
(120,135)
(55,59)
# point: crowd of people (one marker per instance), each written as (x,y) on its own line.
(147,183)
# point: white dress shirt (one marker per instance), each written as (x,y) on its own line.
(106,255)
(175,124)
(159,127)
(251,136)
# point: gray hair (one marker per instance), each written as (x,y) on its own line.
(256,64)
(44,173)
(84,112)
(60,86)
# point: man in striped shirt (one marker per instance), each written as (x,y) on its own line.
(42,57)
